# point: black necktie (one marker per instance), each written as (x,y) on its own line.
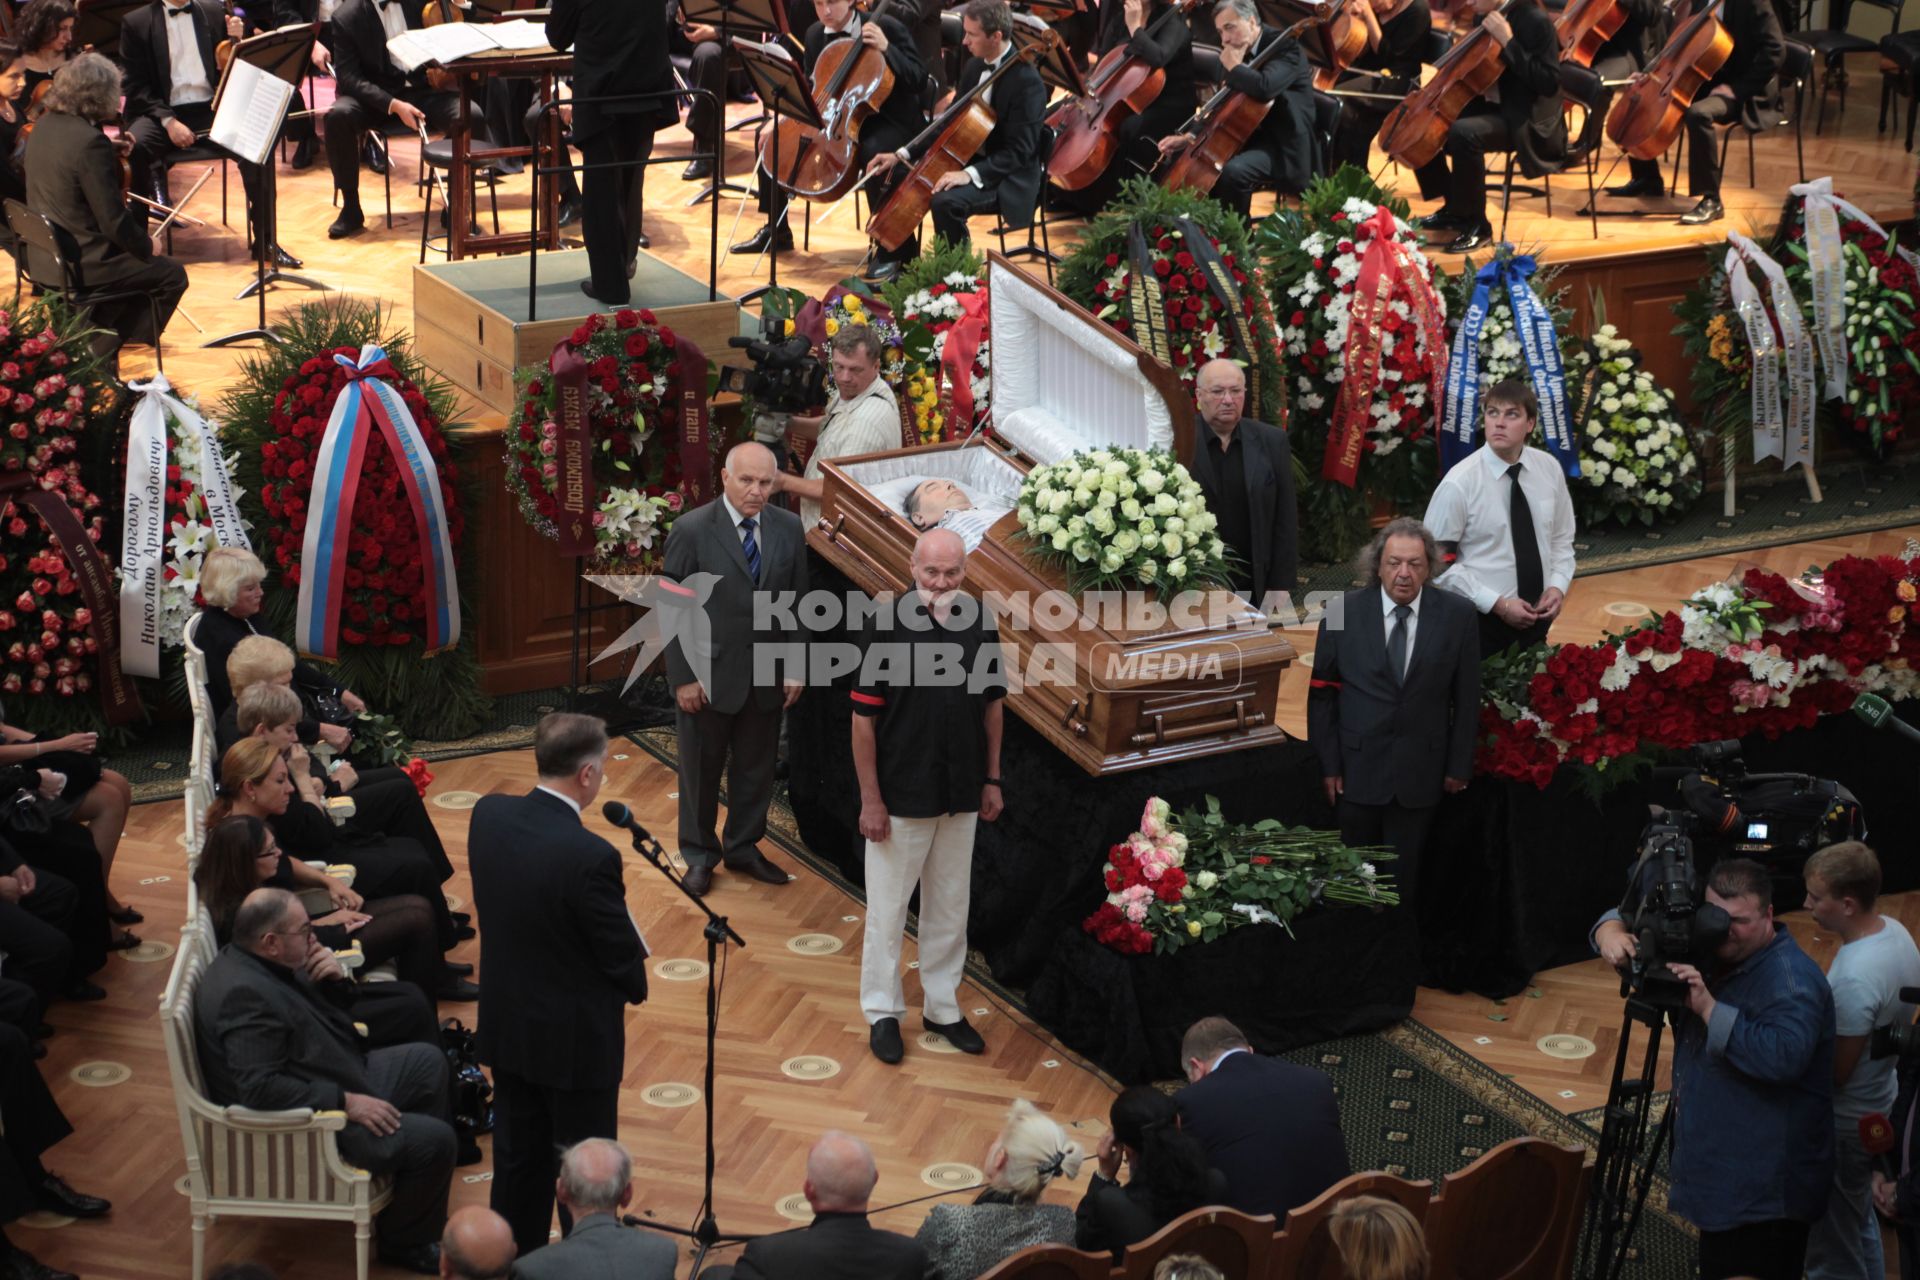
(1397,643)
(1529,582)
(184,11)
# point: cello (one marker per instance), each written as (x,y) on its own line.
(1647,115)
(1343,38)
(1222,125)
(851,81)
(1414,132)
(1084,128)
(1586,25)
(950,142)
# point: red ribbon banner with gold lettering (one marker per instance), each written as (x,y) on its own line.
(574,498)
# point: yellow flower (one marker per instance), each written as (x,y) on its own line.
(833,326)
(1193,928)
(1897,614)
(789,327)
(1907,592)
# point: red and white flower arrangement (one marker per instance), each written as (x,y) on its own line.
(930,315)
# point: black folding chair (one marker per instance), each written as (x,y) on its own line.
(32,230)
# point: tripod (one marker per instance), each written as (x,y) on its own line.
(706,1230)
(1619,1190)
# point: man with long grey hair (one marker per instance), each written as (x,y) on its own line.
(595,1184)
(73,181)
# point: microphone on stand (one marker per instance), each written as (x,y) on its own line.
(621,816)
(1878,714)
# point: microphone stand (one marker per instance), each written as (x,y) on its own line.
(706,1231)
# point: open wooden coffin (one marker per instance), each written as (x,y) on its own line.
(1114,697)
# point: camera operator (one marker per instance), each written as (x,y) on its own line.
(1752,1084)
(1877,957)
(862,417)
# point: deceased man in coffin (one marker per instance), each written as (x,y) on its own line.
(1063,382)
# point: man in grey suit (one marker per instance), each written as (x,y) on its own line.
(732,690)
(1245,469)
(596,1183)
(1394,703)
(267,1041)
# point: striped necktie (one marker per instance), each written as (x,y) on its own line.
(751,546)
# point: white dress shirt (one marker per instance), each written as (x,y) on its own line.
(1473,507)
(190,82)
(986,100)
(394,18)
(737,516)
(971,523)
(868,423)
(1387,606)
(564,798)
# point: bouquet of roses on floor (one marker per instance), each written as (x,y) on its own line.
(1192,877)
(1123,518)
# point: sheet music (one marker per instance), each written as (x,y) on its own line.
(252,106)
(448,42)
(517,36)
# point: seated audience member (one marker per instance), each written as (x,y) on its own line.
(963,1240)
(34,1123)
(478,1245)
(595,1186)
(1242,1108)
(840,1244)
(267,1040)
(942,504)
(230,584)
(1186,1266)
(244,1271)
(1167,1174)
(46,949)
(1377,1240)
(63,889)
(96,798)
(241,855)
(259,779)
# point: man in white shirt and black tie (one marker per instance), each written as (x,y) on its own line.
(1505,518)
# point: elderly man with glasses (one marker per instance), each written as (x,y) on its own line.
(269,1041)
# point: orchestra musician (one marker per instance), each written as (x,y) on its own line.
(1283,152)
(1744,90)
(13,82)
(895,124)
(44,31)
(1166,46)
(74,178)
(372,91)
(286,13)
(167,48)
(1389,66)
(699,42)
(1007,171)
(1520,113)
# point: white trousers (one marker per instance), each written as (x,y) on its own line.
(938,854)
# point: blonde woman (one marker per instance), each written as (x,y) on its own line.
(1378,1240)
(963,1240)
(231,587)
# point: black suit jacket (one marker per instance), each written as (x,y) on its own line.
(902,106)
(73,179)
(1273,1128)
(561,957)
(361,65)
(704,541)
(1530,90)
(1286,81)
(1013,159)
(619,46)
(269,1041)
(146,53)
(1273,514)
(1112,1217)
(1170,50)
(1752,69)
(836,1246)
(1393,743)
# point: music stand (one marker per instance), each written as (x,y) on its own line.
(783,87)
(1054,60)
(746,17)
(97,23)
(284,54)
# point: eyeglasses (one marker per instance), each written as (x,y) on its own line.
(304,931)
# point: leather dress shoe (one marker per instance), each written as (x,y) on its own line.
(421,1259)
(460,917)
(17,1264)
(302,157)
(375,156)
(697,171)
(458,969)
(698,880)
(84,990)
(883,271)
(1639,188)
(884,1040)
(1708,210)
(458,990)
(1472,239)
(641,241)
(763,870)
(461,932)
(570,211)
(348,223)
(1441,221)
(467,1150)
(281,258)
(780,240)
(56,1196)
(960,1035)
(586,287)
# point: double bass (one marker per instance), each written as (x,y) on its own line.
(1647,115)
(1414,132)
(951,142)
(851,80)
(1223,124)
(1084,128)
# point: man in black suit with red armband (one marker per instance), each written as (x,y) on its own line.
(563,959)
(1394,704)
(619,47)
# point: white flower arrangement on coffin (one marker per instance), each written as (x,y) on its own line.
(1123,517)
(1636,460)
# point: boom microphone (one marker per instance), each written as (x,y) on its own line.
(1878,713)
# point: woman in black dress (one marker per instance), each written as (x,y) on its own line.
(13,83)
(1168,1174)
(45,35)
